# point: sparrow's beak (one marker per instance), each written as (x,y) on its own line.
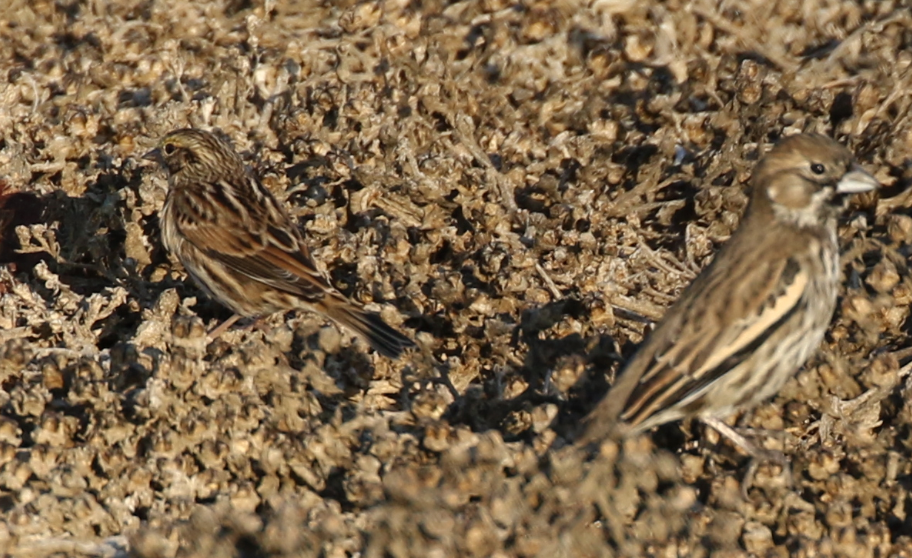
(154,155)
(857,180)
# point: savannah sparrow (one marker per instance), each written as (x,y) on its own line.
(240,245)
(756,313)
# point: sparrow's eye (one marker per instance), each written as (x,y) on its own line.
(169,148)
(817,168)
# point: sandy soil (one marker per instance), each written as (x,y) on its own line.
(524,186)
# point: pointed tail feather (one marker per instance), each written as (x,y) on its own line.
(370,326)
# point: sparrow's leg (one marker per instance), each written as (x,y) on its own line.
(215,332)
(757,455)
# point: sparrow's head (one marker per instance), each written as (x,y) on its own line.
(195,154)
(805,178)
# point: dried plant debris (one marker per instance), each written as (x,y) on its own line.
(523,186)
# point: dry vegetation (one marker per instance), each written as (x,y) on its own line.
(522,185)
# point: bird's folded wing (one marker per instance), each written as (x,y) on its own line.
(711,336)
(269,255)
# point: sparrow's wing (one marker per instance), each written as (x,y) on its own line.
(247,232)
(733,307)
(244,227)
(715,335)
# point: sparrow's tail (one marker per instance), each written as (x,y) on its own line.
(369,325)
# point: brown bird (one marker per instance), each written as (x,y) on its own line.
(240,245)
(752,317)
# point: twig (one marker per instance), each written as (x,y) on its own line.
(464,133)
(875,26)
(749,42)
(555,292)
(645,311)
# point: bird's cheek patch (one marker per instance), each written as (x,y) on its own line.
(792,196)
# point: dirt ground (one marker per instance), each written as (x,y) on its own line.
(522,186)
